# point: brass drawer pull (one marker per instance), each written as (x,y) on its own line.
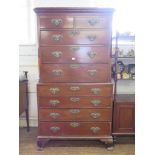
(75,32)
(92,22)
(74,111)
(54,115)
(91,37)
(74,124)
(56,22)
(57,72)
(95,115)
(54,102)
(54,90)
(55,129)
(92,72)
(95,129)
(75,99)
(74,66)
(57,37)
(96,102)
(75,48)
(74,88)
(57,54)
(96,90)
(91,54)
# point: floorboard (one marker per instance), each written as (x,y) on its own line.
(27,146)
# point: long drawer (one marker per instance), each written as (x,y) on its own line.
(63,21)
(75,73)
(75,54)
(74,129)
(67,37)
(75,114)
(75,102)
(74,89)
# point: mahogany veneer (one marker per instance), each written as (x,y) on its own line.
(74,89)
(70,37)
(75,114)
(124,115)
(75,73)
(75,102)
(74,54)
(68,129)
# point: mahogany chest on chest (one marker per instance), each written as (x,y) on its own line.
(74,90)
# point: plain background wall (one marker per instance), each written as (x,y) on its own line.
(28,58)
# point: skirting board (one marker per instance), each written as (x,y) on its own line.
(32,121)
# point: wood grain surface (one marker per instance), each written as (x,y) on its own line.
(74,89)
(75,73)
(75,54)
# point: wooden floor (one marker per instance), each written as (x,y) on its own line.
(27,146)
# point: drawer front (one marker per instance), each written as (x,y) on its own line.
(75,102)
(92,22)
(56,21)
(74,89)
(75,73)
(67,37)
(75,114)
(74,129)
(75,54)
(61,21)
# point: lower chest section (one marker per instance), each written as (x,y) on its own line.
(75,109)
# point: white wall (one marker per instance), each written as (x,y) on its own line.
(69,3)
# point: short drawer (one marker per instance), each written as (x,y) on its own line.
(67,37)
(75,54)
(92,22)
(75,102)
(75,114)
(74,129)
(57,21)
(75,73)
(74,89)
